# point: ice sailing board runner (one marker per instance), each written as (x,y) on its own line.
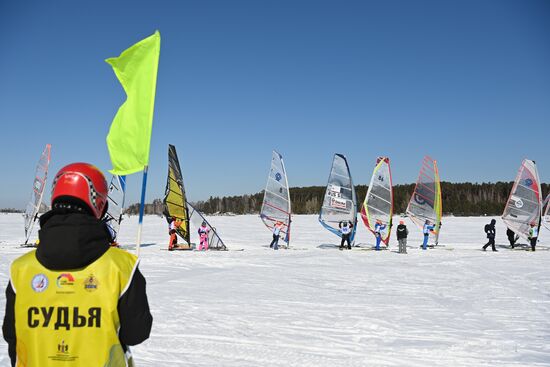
(276,203)
(425,203)
(524,205)
(40,177)
(340,200)
(175,203)
(378,203)
(117,191)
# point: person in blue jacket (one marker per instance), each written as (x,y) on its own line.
(378,228)
(428,227)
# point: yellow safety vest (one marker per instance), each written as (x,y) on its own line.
(70,318)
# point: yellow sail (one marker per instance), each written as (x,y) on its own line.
(175,203)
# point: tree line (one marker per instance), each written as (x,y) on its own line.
(460,199)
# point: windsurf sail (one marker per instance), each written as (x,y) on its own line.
(546,218)
(175,202)
(340,200)
(196,218)
(524,205)
(40,177)
(276,203)
(378,204)
(425,203)
(117,191)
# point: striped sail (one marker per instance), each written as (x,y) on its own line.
(175,203)
(40,177)
(340,200)
(378,203)
(276,204)
(524,205)
(425,203)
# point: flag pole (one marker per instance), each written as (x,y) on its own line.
(141,209)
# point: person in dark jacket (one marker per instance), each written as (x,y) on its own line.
(346,229)
(491,231)
(402,233)
(512,237)
(86,299)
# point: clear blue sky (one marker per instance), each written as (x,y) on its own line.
(467,82)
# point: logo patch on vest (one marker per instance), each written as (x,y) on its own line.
(65,279)
(39,283)
(91,283)
(62,354)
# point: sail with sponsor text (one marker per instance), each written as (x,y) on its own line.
(40,177)
(524,205)
(378,203)
(425,203)
(340,199)
(276,205)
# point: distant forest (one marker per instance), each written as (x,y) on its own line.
(459,199)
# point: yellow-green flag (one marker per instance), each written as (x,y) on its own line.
(129,137)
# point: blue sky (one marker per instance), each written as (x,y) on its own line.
(467,82)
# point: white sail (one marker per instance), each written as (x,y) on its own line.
(117,190)
(425,203)
(196,219)
(378,204)
(276,204)
(340,200)
(524,205)
(38,186)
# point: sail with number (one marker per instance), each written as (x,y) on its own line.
(340,200)
(175,202)
(40,177)
(524,205)
(117,191)
(196,219)
(276,203)
(546,217)
(378,203)
(425,203)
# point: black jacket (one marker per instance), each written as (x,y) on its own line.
(73,240)
(402,231)
(490,230)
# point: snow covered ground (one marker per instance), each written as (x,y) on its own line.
(317,306)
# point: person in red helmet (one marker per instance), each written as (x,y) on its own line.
(75,300)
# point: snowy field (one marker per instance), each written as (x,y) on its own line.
(317,306)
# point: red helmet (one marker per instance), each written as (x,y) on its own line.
(84,182)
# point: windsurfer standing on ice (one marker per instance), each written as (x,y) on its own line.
(276,234)
(428,227)
(345,230)
(203,235)
(174,225)
(378,228)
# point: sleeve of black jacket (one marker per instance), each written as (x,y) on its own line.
(8,328)
(134,314)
